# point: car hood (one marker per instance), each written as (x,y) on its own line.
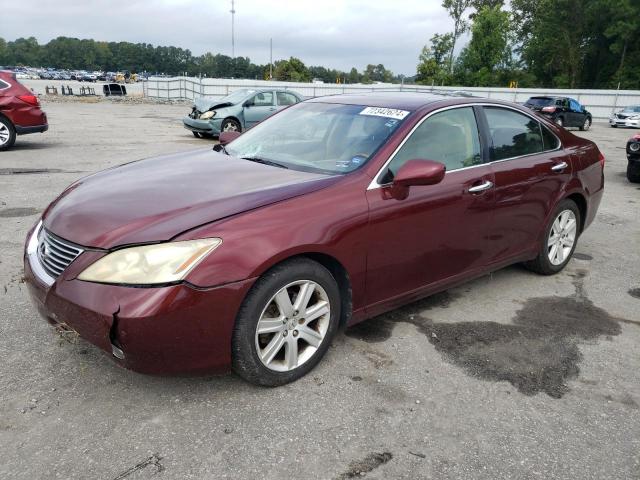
(154,200)
(205,104)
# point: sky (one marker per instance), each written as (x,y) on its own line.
(331,33)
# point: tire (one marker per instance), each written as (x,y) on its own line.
(7,134)
(196,134)
(559,121)
(543,264)
(265,359)
(614,126)
(586,125)
(230,125)
(633,172)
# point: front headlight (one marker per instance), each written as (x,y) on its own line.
(208,115)
(150,264)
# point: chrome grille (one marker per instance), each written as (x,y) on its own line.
(55,254)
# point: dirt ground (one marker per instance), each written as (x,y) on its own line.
(513,375)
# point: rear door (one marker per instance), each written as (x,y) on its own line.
(259,107)
(284,99)
(530,169)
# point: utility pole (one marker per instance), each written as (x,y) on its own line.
(233,33)
(271,59)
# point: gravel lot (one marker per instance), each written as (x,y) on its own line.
(510,376)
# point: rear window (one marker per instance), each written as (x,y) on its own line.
(540,101)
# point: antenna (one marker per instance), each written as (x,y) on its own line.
(233,33)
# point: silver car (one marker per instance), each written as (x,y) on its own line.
(237,111)
(627,117)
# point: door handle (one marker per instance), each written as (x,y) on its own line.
(559,167)
(481,188)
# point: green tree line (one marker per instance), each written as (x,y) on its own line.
(537,43)
(75,54)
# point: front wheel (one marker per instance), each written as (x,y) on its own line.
(559,121)
(586,125)
(286,323)
(633,172)
(230,125)
(7,134)
(559,241)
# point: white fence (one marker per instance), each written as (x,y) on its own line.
(601,103)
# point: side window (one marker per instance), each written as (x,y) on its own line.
(263,99)
(285,98)
(450,137)
(513,134)
(575,106)
(549,140)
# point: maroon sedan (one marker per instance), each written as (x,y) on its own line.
(330,212)
(20,111)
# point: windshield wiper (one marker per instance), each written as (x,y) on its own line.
(265,162)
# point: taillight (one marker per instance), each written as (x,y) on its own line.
(549,109)
(601,159)
(30,99)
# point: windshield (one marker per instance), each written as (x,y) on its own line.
(320,137)
(632,109)
(236,96)
(540,101)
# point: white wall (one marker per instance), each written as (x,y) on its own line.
(601,103)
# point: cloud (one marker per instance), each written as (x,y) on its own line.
(333,33)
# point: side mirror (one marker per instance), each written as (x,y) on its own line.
(228,137)
(416,172)
(248,103)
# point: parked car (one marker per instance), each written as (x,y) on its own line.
(236,112)
(332,211)
(633,159)
(627,117)
(563,111)
(20,111)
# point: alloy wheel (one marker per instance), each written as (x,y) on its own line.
(230,127)
(4,134)
(292,325)
(562,237)
(586,125)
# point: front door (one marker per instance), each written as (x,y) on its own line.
(438,232)
(258,107)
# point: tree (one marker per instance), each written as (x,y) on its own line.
(292,70)
(433,66)
(456,10)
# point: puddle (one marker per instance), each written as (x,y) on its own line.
(29,171)
(18,212)
(634,292)
(369,463)
(583,256)
(537,352)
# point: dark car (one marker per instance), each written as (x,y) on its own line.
(330,212)
(633,159)
(563,111)
(20,111)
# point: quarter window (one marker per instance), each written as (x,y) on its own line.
(549,140)
(450,137)
(3,85)
(285,98)
(513,134)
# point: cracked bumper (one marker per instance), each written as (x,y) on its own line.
(169,330)
(211,127)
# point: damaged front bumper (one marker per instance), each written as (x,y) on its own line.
(175,329)
(209,127)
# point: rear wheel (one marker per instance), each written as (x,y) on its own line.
(286,323)
(559,241)
(7,134)
(633,172)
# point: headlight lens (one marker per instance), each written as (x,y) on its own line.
(208,115)
(150,264)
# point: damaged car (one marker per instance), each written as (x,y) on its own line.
(237,111)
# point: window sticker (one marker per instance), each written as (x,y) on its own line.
(385,112)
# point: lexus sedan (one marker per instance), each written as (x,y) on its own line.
(330,212)
(237,111)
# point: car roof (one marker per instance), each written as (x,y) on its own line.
(400,100)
